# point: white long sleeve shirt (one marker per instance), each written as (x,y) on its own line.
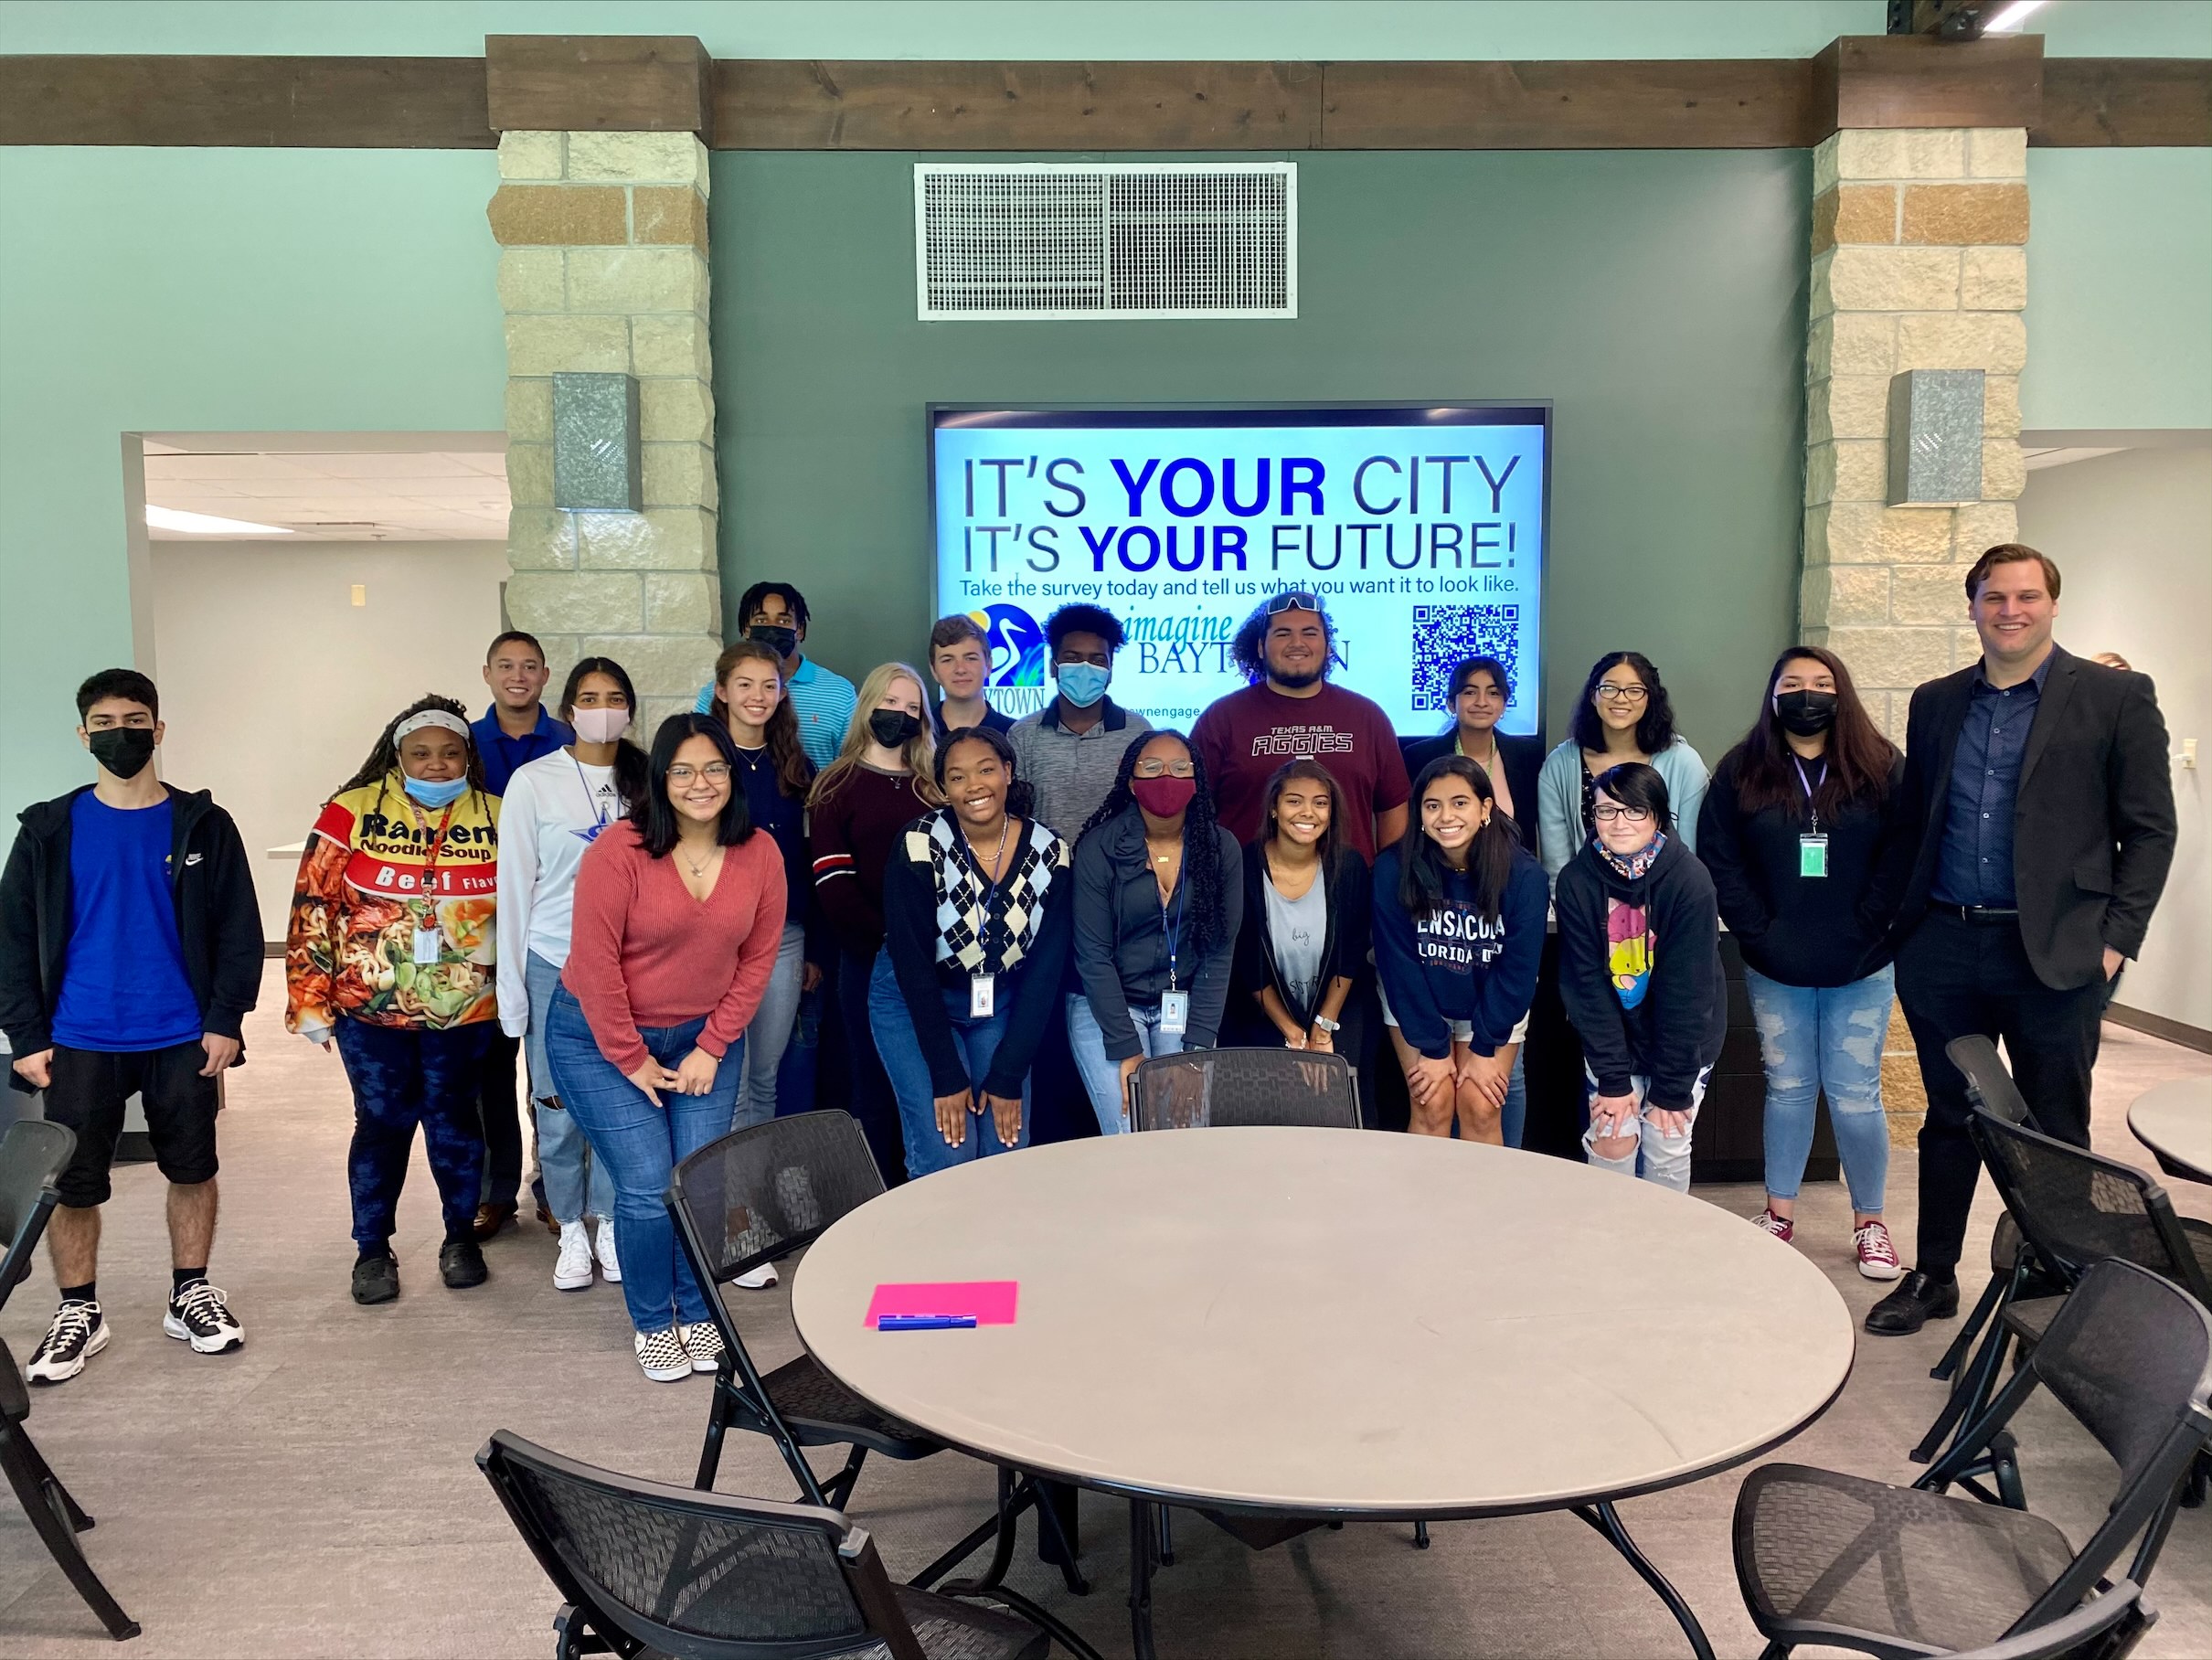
(552,810)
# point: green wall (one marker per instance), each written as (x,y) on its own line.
(1658,298)
(211,290)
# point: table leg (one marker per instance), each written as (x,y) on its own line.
(1141,1540)
(1606,1520)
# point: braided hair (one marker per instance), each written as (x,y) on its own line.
(384,758)
(1201,838)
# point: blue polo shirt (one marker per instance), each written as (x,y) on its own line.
(1974,864)
(502,754)
(823,702)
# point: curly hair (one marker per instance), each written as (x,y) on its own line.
(1654,728)
(1247,651)
(1201,839)
(384,758)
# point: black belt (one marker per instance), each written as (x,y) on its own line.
(1979,916)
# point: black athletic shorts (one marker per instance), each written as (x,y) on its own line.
(88,1092)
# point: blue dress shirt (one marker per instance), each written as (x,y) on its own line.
(502,754)
(1974,866)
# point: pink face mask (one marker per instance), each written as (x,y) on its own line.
(600,726)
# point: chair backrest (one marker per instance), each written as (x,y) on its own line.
(2077,1207)
(1217,1087)
(763,1192)
(2109,1626)
(706,1575)
(32,1154)
(1988,1084)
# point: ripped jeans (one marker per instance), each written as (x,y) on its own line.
(1824,1038)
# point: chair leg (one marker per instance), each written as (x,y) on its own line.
(1970,1393)
(1970,1329)
(717,1424)
(1420,1535)
(1168,1539)
(1053,1543)
(42,1472)
(838,1493)
(53,1514)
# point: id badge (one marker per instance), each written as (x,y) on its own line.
(426,947)
(1175,1014)
(982,992)
(1812,855)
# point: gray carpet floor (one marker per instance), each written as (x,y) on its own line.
(313,1494)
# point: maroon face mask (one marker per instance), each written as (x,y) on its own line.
(1165,796)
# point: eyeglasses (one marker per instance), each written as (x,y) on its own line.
(1607,813)
(1171,769)
(1294,600)
(713,773)
(1622,694)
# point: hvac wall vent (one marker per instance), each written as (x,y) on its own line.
(1115,239)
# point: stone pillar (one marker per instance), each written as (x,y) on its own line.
(603,266)
(1918,263)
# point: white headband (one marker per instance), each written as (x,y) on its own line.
(430,718)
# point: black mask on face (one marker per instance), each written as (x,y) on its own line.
(893,729)
(123,750)
(780,640)
(1806,713)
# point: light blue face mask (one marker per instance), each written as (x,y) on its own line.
(1083,684)
(426,793)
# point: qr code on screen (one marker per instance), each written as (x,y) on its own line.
(1447,635)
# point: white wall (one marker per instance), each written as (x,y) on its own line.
(274,684)
(2132,534)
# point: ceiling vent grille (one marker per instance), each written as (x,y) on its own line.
(1142,239)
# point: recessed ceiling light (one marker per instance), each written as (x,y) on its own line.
(206,524)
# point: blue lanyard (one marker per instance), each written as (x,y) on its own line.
(1174,934)
(590,801)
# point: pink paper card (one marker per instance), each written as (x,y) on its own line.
(990,1301)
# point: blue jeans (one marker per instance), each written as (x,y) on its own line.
(978,1040)
(639,1143)
(770,1032)
(1826,1037)
(1656,1157)
(1514,1119)
(1102,1073)
(576,1183)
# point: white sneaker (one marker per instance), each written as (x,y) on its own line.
(662,1356)
(761,1279)
(76,1336)
(572,1267)
(702,1340)
(199,1316)
(610,1265)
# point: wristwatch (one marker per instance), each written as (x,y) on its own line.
(1327,1025)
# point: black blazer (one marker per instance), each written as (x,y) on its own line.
(1347,894)
(1524,760)
(2094,823)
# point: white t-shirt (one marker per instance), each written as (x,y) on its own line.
(553,809)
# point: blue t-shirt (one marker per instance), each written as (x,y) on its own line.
(124,987)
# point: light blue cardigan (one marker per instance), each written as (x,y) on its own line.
(1559,799)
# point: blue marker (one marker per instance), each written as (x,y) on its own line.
(924,1322)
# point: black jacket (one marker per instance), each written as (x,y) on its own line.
(1347,891)
(1121,944)
(2093,825)
(1677,1028)
(1523,759)
(218,920)
(1800,930)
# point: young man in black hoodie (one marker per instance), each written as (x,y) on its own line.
(130,952)
(1640,973)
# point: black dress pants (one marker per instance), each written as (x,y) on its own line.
(1955,979)
(500,1118)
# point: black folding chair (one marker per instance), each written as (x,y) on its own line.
(1988,1085)
(1218,1088)
(642,1566)
(32,1154)
(1840,1561)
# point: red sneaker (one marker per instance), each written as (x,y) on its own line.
(1877,1257)
(1780,1227)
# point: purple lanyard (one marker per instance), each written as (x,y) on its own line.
(1810,787)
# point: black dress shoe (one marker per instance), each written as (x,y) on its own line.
(376,1279)
(460,1264)
(1917,1300)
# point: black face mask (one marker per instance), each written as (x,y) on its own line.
(781,641)
(1806,714)
(123,750)
(893,729)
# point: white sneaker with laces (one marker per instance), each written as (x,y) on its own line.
(704,1342)
(610,1265)
(761,1279)
(76,1336)
(572,1267)
(661,1356)
(199,1316)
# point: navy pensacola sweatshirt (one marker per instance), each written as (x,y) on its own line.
(1640,971)
(1456,964)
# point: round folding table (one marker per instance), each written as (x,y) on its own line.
(1277,1325)
(2174,1120)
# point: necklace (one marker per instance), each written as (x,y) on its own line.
(1004,824)
(699,866)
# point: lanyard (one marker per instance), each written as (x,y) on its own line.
(429,859)
(991,887)
(1174,932)
(1810,787)
(590,801)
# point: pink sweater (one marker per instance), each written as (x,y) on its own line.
(643,952)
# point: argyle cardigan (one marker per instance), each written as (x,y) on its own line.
(981,930)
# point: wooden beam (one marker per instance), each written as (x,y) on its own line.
(1916,80)
(792,104)
(2091,101)
(324,103)
(1700,104)
(585,83)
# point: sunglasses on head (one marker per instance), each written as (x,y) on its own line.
(1294,600)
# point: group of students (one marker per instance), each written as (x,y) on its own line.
(960,883)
